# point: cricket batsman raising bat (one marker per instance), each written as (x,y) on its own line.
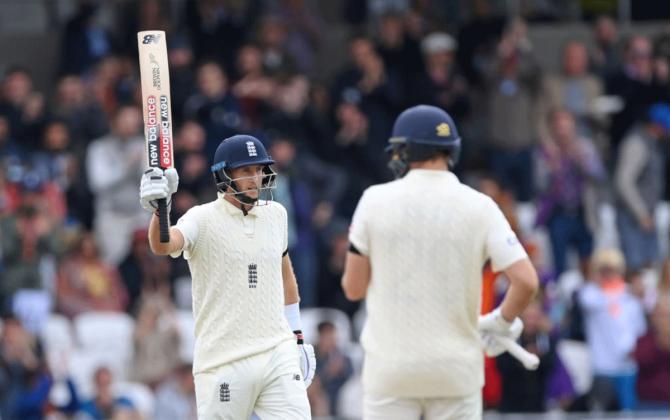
(249,350)
(155,79)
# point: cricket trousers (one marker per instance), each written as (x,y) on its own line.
(392,408)
(269,384)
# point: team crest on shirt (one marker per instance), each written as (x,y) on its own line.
(443,130)
(253,276)
(224,392)
(251,148)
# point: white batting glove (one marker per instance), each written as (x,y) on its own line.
(307,359)
(157,184)
(307,363)
(493,325)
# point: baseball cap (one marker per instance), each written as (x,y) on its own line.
(437,42)
(659,113)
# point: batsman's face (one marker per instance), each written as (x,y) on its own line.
(248,179)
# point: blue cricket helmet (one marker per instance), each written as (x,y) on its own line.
(418,133)
(238,151)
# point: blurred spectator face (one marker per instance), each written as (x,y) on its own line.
(194,166)
(128,122)
(108,70)
(180,57)
(191,137)
(438,49)
(606,30)
(250,60)
(88,249)
(56,136)
(283,152)
(70,91)
(292,97)
(362,52)
(103,385)
(534,319)
(273,33)
(327,337)
(17,87)
(490,187)
(562,126)
(212,81)
(608,264)
(391,30)
(639,57)
(575,59)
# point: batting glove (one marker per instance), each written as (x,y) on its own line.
(307,359)
(157,184)
(493,325)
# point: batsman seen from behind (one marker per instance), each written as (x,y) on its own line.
(418,246)
(245,295)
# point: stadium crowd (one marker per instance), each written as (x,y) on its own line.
(575,156)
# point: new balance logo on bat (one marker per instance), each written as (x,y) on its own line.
(224,392)
(251,148)
(253,276)
(151,39)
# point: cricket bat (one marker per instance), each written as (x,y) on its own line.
(529,360)
(155,80)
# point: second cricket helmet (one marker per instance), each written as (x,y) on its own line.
(418,133)
(236,152)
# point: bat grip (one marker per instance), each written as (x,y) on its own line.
(163,221)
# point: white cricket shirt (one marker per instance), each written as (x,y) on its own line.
(238,291)
(427,237)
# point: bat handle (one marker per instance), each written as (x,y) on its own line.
(163,221)
(529,360)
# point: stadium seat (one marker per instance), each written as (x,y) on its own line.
(311,317)
(350,402)
(525,214)
(140,395)
(108,334)
(577,360)
(58,340)
(186,325)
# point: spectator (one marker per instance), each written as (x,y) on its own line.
(105,405)
(20,360)
(512,84)
(175,398)
(441,84)
(182,76)
(142,272)
(82,113)
(399,51)
(613,320)
(335,367)
(606,56)
(30,234)
(310,191)
(86,283)
(574,89)
(304,29)
(208,22)
(24,107)
(525,391)
(84,41)
(653,358)
(114,163)
(9,147)
(568,170)
(254,87)
(214,106)
(272,39)
(639,180)
(156,339)
(634,84)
